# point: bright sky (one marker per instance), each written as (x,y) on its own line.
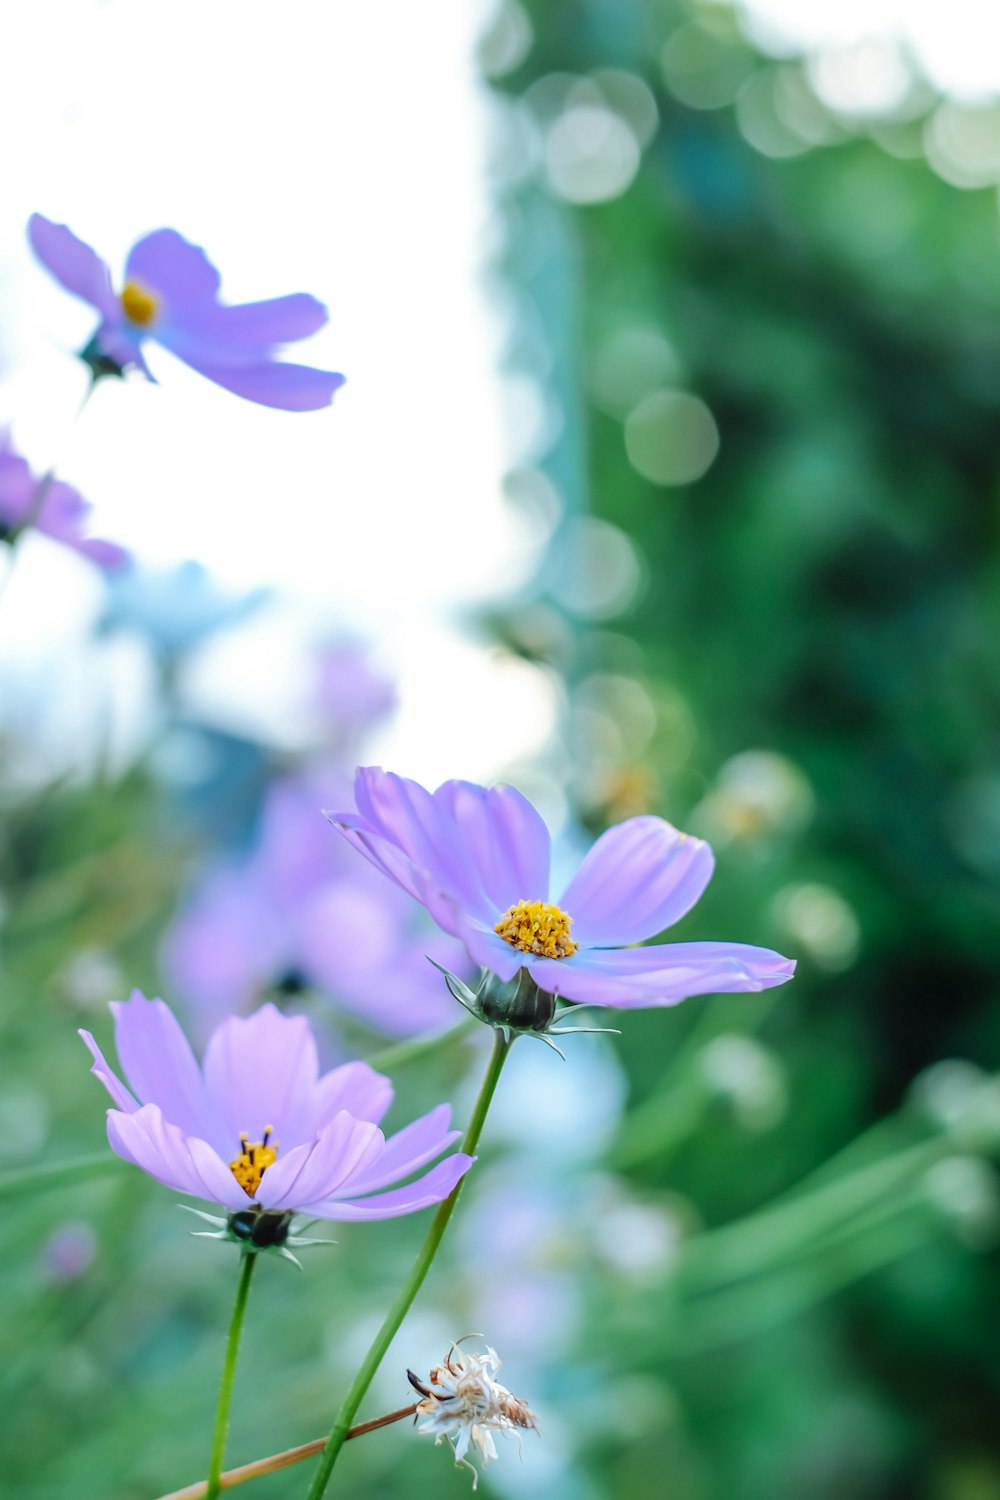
(956,42)
(335,148)
(329,147)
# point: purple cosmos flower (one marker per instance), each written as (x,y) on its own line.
(48,505)
(478,858)
(300,907)
(171,295)
(257,1129)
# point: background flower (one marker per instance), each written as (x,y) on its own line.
(170,296)
(48,505)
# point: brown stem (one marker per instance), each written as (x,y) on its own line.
(276,1461)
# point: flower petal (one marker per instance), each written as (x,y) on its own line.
(187,1165)
(159,1063)
(73,263)
(355,1087)
(381,852)
(262,1070)
(662,974)
(166,263)
(480,848)
(286,387)
(409,1149)
(102,1070)
(247,333)
(345,1147)
(432,1188)
(638,878)
(504,839)
(486,948)
(422,828)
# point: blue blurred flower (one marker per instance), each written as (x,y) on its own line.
(174,608)
(171,296)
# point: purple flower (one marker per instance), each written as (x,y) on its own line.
(298,905)
(50,506)
(257,1127)
(478,859)
(171,295)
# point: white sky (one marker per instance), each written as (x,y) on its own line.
(956,42)
(324,146)
(337,148)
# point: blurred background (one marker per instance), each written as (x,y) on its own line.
(665,479)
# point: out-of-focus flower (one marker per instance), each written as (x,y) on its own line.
(171,297)
(176,608)
(69,1252)
(258,1130)
(757,795)
(464,1403)
(301,908)
(479,858)
(49,505)
(351,693)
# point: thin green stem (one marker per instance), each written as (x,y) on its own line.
(400,1053)
(56,1174)
(413,1282)
(228,1376)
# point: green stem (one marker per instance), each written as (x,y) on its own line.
(400,1053)
(228,1376)
(56,1174)
(413,1282)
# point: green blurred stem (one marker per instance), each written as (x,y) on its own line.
(752,1245)
(413,1282)
(56,1174)
(401,1053)
(228,1376)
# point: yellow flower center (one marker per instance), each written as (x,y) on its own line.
(138,305)
(253,1161)
(537,927)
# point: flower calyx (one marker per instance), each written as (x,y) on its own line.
(99,364)
(516,1007)
(257,1231)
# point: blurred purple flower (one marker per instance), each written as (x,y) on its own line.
(352,695)
(69,1251)
(479,858)
(171,296)
(257,1127)
(50,506)
(298,907)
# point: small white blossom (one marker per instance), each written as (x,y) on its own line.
(465,1403)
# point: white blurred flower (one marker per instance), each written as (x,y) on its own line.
(464,1403)
(749,1077)
(757,794)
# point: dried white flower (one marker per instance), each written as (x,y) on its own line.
(463,1401)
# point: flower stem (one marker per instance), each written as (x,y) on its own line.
(56,1174)
(228,1375)
(284,1460)
(401,1053)
(413,1282)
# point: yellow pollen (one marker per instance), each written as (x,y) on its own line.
(253,1161)
(537,927)
(138,305)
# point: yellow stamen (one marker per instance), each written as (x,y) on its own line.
(138,305)
(537,927)
(253,1161)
